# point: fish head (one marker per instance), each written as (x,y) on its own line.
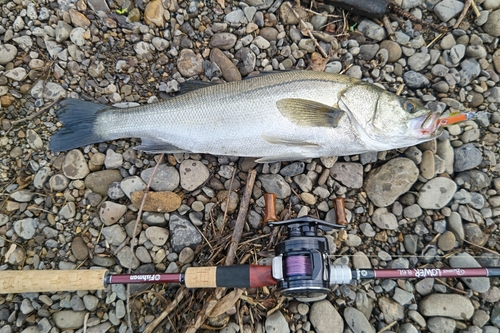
(385,120)
(404,120)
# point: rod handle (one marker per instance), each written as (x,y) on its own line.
(239,276)
(50,281)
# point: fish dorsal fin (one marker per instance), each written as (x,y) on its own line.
(303,112)
(193,85)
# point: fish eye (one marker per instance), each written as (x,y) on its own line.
(410,106)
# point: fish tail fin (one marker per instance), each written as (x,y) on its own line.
(79,119)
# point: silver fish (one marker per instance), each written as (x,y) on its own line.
(282,116)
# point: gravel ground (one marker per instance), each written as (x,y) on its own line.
(433,205)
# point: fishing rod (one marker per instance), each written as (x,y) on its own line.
(301,267)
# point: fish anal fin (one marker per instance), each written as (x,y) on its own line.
(281,158)
(154,146)
(303,112)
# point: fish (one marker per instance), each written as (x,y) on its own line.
(283,116)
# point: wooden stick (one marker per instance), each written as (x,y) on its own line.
(467,4)
(240,220)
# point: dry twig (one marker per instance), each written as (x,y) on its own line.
(467,5)
(180,295)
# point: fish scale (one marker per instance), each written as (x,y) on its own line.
(281,116)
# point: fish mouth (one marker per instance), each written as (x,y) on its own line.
(431,123)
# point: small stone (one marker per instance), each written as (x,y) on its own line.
(415,80)
(193,174)
(7,53)
(26,228)
(446,241)
(166,178)
(274,183)
(158,236)
(478,284)
(16,74)
(386,183)
(384,219)
(161,202)
(127,258)
(79,248)
(427,169)
(223,41)
(436,193)
(357,321)
(115,235)
(183,233)
(349,174)
(154,13)
(325,318)
(467,157)
(111,212)
(100,181)
(78,19)
(113,160)
(189,64)
(186,256)
(69,319)
(441,325)
(132,184)
(74,165)
(34,140)
(229,70)
(372,30)
(392,310)
(492,26)
(448,9)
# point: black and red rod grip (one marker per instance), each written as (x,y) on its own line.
(239,276)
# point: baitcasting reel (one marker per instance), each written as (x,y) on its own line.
(302,266)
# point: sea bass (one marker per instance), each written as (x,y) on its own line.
(289,115)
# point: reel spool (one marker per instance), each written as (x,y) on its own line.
(302,266)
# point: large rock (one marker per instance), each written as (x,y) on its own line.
(325,318)
(386,183)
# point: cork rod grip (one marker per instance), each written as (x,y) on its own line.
(201,277)
(45,280)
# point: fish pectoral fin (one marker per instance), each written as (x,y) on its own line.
(303,112)
(153,146)
(276,140)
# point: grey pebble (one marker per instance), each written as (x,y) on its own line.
(132,184)
(479,284)
(467,157)
(349,174)
(193,174)
(275,184)
(74,165)
(59,182)
(448,9)
(7,53)
(154,219)
(158,236)
(41,177)
(415,80)
(357,321)
(276,323)
(127,258)
(441,325)
(325,318)
(372,30)
(392,310)
(115,191)
(113,160)
(26,228)
(68,211)
(384,219)
(166,178)
(447,305)
(111,212)
(68,319)
(436,193)
(403,297)
(115,235)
